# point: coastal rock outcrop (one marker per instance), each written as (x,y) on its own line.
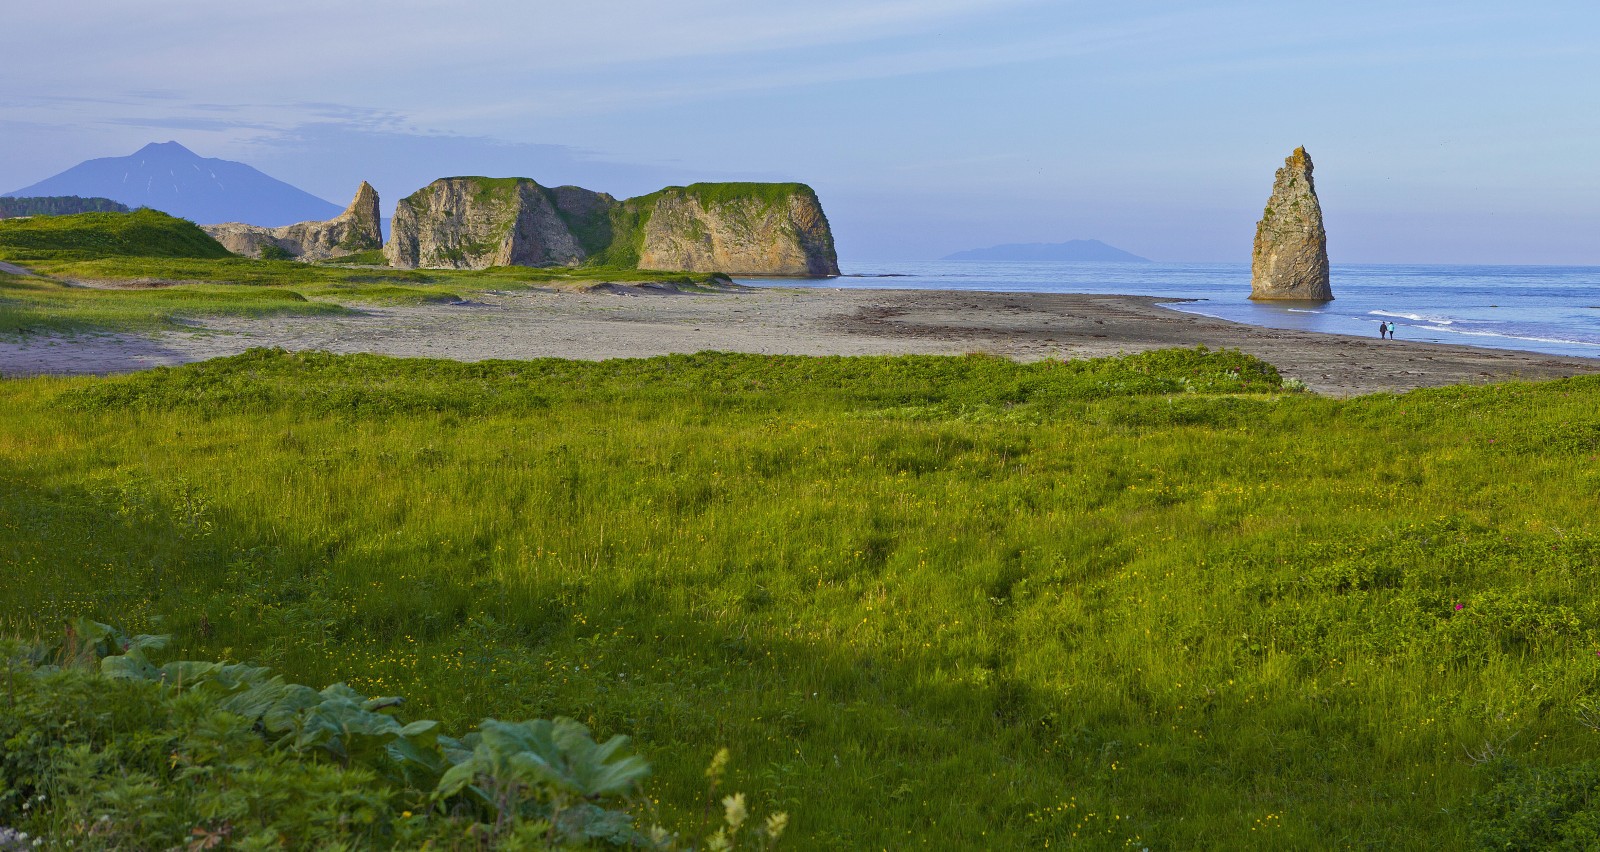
(357,229)
(736,228)
(740,229)
(477,222)
(1290,260)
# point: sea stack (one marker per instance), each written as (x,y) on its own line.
(357,229)
(480,222)
(740,228)
(1290,260)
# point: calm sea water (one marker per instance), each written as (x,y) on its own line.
(1553,309)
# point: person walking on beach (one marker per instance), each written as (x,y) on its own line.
(1391,331)
(1383,329)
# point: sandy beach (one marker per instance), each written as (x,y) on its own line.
(630,323)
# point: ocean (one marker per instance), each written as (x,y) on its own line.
(1551,309)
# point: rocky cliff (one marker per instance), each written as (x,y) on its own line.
(476,223)
(356,229)
(743,229)
(740,229)
(1290,260)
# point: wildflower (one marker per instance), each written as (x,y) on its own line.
(719,762)
(734,809)
(779,821)
(1460,607)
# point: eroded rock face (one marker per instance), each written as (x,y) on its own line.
(736,228)
(476,223)
(357,229)
(754,229)
(1290,260)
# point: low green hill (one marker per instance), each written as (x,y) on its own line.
(142,233)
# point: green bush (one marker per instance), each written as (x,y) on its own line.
(1539,808)
(104,748)
(273,251)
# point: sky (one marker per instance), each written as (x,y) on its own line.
(1442,132)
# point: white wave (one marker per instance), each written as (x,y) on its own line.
(1302,311)
(1413,317)
(1508,336)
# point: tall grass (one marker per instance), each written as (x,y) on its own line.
(926,601)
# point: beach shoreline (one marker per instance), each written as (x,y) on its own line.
(631,323)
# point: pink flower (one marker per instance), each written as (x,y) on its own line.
(1460,607)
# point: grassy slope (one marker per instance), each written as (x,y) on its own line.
(954,602)
(142,233)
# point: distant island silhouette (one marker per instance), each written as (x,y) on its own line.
(1069,250)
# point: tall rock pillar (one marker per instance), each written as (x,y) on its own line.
(1290,260)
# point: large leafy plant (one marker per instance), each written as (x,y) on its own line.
(109,747)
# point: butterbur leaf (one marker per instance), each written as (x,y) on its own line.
(188,673)
(531,768)
(254,702)
(455,751)
(145,643)
(238,676)
(423,729)
(284,713)
(383,703)
(455,779)
(591,767)
(585,822)
(103,638)
(340,691)
(128,668)
(419,760)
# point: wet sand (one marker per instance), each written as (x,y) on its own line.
(628,323)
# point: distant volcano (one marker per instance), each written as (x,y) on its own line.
(169,177)
(1069,250)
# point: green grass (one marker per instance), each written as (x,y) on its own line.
(169,292)
(947,602)
(370,257)
(765,194)
(35,306)
(142,233)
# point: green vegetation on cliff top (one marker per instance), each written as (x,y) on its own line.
(960,602)
(718,194)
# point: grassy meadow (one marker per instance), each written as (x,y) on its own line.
(1152,602)
(150,272)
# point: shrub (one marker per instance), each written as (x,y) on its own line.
(108,749)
